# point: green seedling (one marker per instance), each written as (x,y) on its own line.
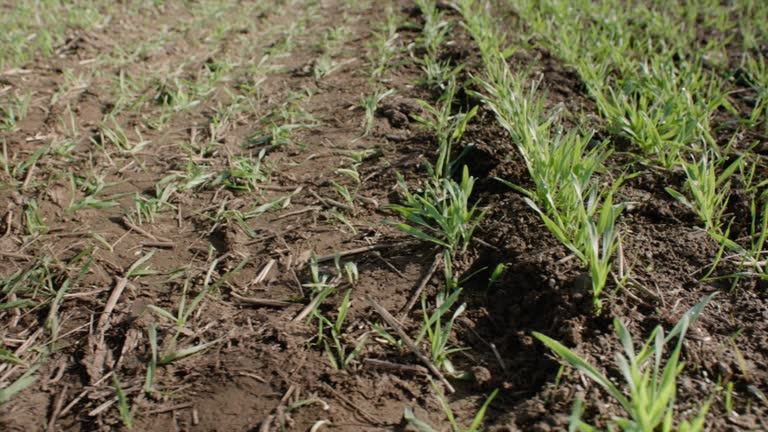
(748,253)
(348,269)
(651,384)
(287,42)
(436,28)
(448,128)
(755,256)
(638,66)
(437,73)
(67,124)
(421,426)
(23,167)
(334,347)
(370,104)
(710,191)
(437,332)
(71,84)
(729,398)
(126,91)
(92,202)
(91,186)
(16,109)
(441,214)
(322,284)
(660,115)
(273,136)
(44,287)
(146,208)
(437,323)
(19,290)
(344,221)
(324,66)
(279,126)
(138,269)
(177,95)
(34,30)
(153,359)
(52,322)
(757,75)
(347,193)
(591,234)
(193,177)
(184,312)
(126,416)
(63,148)
(115,135)
(34,219)
(332,39)
(226,215)
(497,273)
(384,46)
(244,174)
(7,356)
(24,381)
(561,165)
(356,157)
(434,35)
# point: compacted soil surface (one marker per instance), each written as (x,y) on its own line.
(180,179)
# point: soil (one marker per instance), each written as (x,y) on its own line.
(264,369)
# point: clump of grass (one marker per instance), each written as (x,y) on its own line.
(15,109)
(330,332)
(335,347)
(179,320)
(651,384)
(475,426)
(243,174)
(14,170)
(708,182)
(384,47)
(278,127)
(91,186)
(757,76)
(370,104)
(436,330)
(447,127)
(747,252)
(32,28)
(562,165)
(324,66)
(33,219)
(146,208)
(437,323)
(441,214)
(436,28)
(636,62)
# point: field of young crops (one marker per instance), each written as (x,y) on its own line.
(402,215)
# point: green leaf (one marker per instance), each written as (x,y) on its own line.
(162,312)
(420,234)
(678,196)
(24,381)
(186,352)
(413,421)
(579,363)
(481,413)
(134,270)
